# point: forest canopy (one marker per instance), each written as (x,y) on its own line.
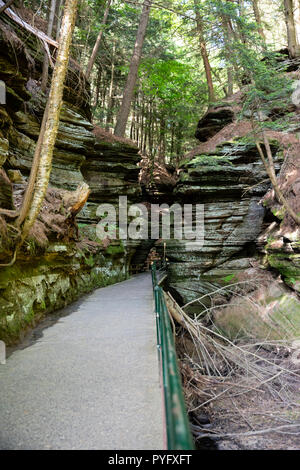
(192,53)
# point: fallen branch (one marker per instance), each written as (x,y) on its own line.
(250,433)
(269,167)
(44,38)
(75,201)
(209,294)
(6,5)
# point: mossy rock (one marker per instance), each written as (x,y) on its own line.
(115,249)
(31,289)
(279,212)
(287,264)
(274,315)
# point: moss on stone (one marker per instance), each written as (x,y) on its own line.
(34,287)
(279,213)
(276,316)
(288,265)
(114,250)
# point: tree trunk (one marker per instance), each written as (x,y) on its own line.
(203,50)
(142,121)
(269,167)
(179,143)
(103,96)
(97,43)
(241,7)
(132,134)
(7,5)
(33,173)
(58,17)
(109,115)
(258,19)
(49,33)
(97,89)
(162,140)
(294,49)
(150,125)
(131,127)
(144,149)
(137,119)
(172,140)
(229,38)
(52,119)
(229,81)
(133,71)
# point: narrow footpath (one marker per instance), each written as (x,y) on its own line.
(91,381)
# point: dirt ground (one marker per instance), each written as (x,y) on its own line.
(238,410)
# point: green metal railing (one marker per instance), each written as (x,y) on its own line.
(177,424)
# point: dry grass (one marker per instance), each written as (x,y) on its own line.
(227,381)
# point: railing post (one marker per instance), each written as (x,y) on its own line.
(178,429)
(157,313)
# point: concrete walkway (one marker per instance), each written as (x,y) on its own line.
(91,381)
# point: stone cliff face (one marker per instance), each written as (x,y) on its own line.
(63,258)
(243,228)
(54,267)
(225,182)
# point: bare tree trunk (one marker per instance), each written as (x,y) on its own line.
(294,49)
(258,19)
(230,81)
(7,5)
(103,96)
(204,54)
(228,39)
(97,43)
(179,143)
(49,33)
(137,119)
(52,119)
(297,19)
(172,139)
(272,175)
(59,16)
(33,173)
(145,130)
(241,4)
(162,140)
(97,88)
(133,71)
(132,135)
(150,123)
(143,122)
(151,128)
(109,114)
(131,127)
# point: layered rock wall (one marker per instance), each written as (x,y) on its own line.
(229,183)
(226,175)
(52,270)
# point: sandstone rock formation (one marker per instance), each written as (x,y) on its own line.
(61,260)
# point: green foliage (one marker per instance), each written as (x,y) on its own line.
(179,92)
(115,250)
(171,92)
(228,278)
